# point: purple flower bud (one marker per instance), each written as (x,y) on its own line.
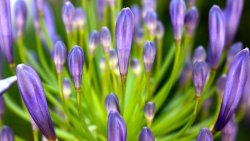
(137,14)
(205,135)
(20,16)
(148,5)
(75,65)
(216,36)
(102,64)
(117,130)
(149,52)
(159,33)
(6,83)
(151,20)
(31,90)
(105,39)
(136,67)
(6,134)
(112,103)
(146,135)
(199,54)
(234,49)
(124,35)
(66,88)
(186,73)
(191,20)
(6,41)
(113,59)
(59,56)
(232,16)
(177,14)
(199,76)
(79,19)
(149,111)
(139,36)
(220,85)
(68,13)
(39,5)
(2,108)
(100,4)
(93,41)
(229,133)
(234,87)
(245,100)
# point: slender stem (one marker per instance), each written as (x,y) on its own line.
(159,55)
(21,49)
(123,80)
(46,35)
(217,112)
(148,96)
(36,135)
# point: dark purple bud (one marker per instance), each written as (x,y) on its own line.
(232,16)
(94,41)
(151,20)
(205,135)
(146,135)
(199,76)
(220,85)
(5,84)
(79,19)
(2,108)
(100,4)
(6,41)
(112,103)
(186,73)
(137,14)
(216,35)
(234,49)
(177,14)
(113,59)
(117,130)
(66,88)
(68,13)
(149,52)
(234,87)
(159,33)
(75,65)
(124,35)
(20,16)
(136,67)
(139,36)
(191,20)
(105,39)
(59,54)
(199,54)
(6,134)
(229,133)
(31,90)
(149,111)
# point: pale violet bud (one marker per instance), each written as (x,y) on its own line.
(149,53)
(112,103)
(79,19)
(68,13)
(94,41)
(191,21)
(113,59)
(105,39)
(159,33)
(6,134)
(205,135)
(149,111)
(20,16)
(220,85)
(199,54)
(139,36)
(136,67)
(137,15)
(102,64)
(117,130)
(151,20)
(234,49)
(146,135)
(59,54)
(66,88)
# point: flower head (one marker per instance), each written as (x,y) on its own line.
(66,88)
(112,103)
(59,54)
(117,130)
(136,67)
(149,111)
(159,32)
(6,134)
(105,39)
(205,135)
(146,135)
(199,54)
(79,19)
(20,16)
(94,41)
(68,13)
(151,21)
(191,20)
(229,133)
(149,52)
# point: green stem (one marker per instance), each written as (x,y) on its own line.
(122,99)
(159,55)
(46,35)
(21,49)
(148,96)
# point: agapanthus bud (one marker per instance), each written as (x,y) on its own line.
(149,111)
(137,14)
(66,88)
(117,130)
(68,13)
(102,64)
(148,5)
(234,87)
(105,39)
(199,54)
(199,76)
(100,4)
(39,5)
(2,108)
(205,135)
(186,73)
(229,133)
(59,54)
(177,14)
(31,90)
(113,59)
(6,41)
(232,16)
(20,16)
(220,85)
(6,83)
(149,52)
(136,67)
(245,99)
(6,134)
(112,103)
(191,20)
(159,33)
(234,49)
(94,41)
(124,35)
(216,35)
(75,65)
(146,135)
(139,36)
(151,20)
(79,19)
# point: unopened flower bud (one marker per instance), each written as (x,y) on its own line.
(199,54)
(105,39)
(6,134)
(79,19)
(234,49)
(159,33)
(205,135)
(94,41)
(151,21)
(113,59)
(20,16)
(117,130)
(66,88)
(149,111)
(220,85)
(68,13)
(136,67)
(146,135)
(112,103)
(149,52)
(59,56)
(191,21)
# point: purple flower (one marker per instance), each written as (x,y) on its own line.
(105,39)
(5,84)
(31,90)
(229,133)
(39,5)
(191,20)
(59,56)
(112,103)
(137,15)
(79,19)
(149,52)
(234,49)
(6,41)
(75,65)
(66,88)
(234,87)
(124,35)
(216,35)
(94,41)
(151,21)
(6,134)
(139,36)
(149,111)
(136,67)
(159,32)
(113,59)
(100,4)
(146,135)
(2,108)
(232,16)
(117,130)
(177,15)
(220,85)
(68,13)
(205,135)
(199,54)
(20,16)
